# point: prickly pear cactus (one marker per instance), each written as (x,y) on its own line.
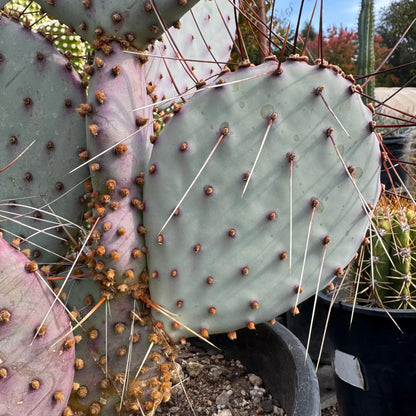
(137,23)
(40,204)
(255,194)
(64,38)
(34,378)
(187,55)
(119,359)
(120,135)
(258,190)
(122,355)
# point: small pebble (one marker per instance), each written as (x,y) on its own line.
(194,369)
(223,398)
(177,374)
(267,405)
(225,412)
(214,374)
(255,380)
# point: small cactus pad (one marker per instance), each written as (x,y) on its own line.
(121,137)
(135,22)
(40,92)
(35,379)
(192,53)
(275,159)
(115,342)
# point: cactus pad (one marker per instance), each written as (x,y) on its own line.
(193,53)
(224,260)
(34,378)
(122,138)
(132,21)
(115,342)
(38,105)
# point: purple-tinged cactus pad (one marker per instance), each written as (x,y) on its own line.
(135,22)
(35,379)
(39,94)
(109,352)
(194,52)
(120,137)
(227,260)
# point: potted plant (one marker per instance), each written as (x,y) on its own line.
(246,203)
(372,323)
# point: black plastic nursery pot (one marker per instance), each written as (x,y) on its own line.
(396,146)
(374,362)
(300,325)
(278,357)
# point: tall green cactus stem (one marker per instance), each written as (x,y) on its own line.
(226,260)
(134,22)
(366,33)
(385,267)
(35,379)
(192,53)
(39,96)
(115,126)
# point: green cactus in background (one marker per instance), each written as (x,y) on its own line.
(383,271)
(366,33)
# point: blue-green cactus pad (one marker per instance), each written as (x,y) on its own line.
(196,51)
(39,93)
(134,21)
(232,255)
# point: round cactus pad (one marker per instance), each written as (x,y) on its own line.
(257,194)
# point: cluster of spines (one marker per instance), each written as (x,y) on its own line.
(101,380)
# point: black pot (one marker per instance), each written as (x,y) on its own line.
(396,146)
(278,357)
(300,324)
(374,362)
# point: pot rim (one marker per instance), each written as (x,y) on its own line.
(367,310)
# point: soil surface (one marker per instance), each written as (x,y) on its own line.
(211,385)
(214,386)
(330,411)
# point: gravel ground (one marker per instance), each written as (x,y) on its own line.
(330,411)
(215,386)
(210,385)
